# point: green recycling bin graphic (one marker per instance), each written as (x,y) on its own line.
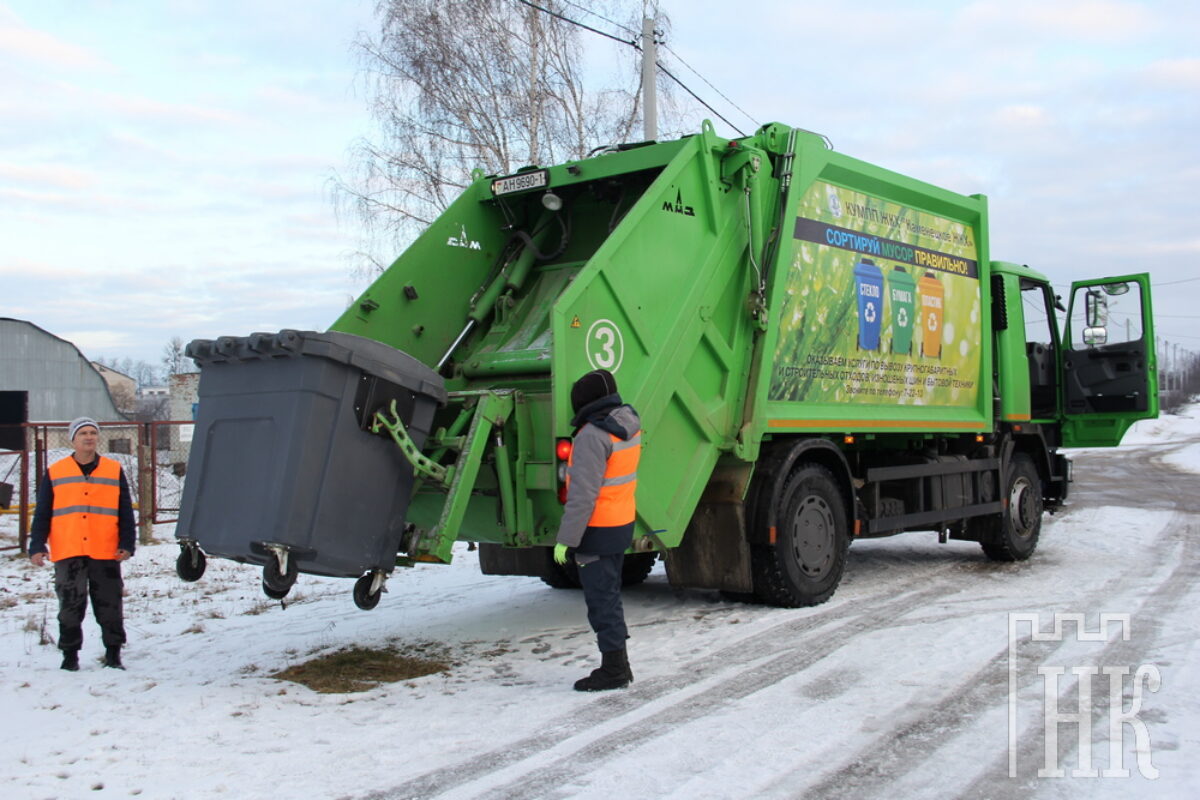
(902,292)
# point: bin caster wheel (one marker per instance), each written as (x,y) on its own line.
(364,598)
(281,581)
(191,564)
(274,594)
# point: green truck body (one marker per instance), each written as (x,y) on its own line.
(820,349)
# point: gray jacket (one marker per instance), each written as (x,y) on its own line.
(589,460)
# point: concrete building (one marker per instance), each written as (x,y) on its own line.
(121,387)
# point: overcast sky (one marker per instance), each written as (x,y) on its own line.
(164,166)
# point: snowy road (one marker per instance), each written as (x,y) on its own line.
(783,711)
(898,687)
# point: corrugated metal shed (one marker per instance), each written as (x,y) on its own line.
(61,383)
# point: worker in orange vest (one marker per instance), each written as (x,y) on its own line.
(85,515)
(597,521)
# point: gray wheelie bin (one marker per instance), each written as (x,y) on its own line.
(283,469)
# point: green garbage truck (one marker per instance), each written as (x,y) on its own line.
(716,279)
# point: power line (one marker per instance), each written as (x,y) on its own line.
(634,45)
(667,72)
(556,15)
(614,23)
(1172,283)
(715,89)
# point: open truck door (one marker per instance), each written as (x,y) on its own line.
(1109,373)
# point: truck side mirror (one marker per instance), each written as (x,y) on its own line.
(1095,309)
(1096,315)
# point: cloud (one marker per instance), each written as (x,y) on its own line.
(173,112)
(55,175)
(91,341)
(293,102)
(1095,21)
(1021,116)
(1175,72)
(21,42)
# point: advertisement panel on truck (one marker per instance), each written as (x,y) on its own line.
(843,339)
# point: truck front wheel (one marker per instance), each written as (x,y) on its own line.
(804,564)
(1013,534)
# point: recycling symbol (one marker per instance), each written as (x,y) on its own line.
(933,321)
(869,312)
(902,317)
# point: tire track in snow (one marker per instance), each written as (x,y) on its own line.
(1146,631)
(728,665)
(565,742)
(737,680)
(874,768)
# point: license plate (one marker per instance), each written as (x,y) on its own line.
(520,183)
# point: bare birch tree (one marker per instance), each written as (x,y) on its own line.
(491,84)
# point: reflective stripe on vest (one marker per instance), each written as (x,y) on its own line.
(83,521)
(615,504)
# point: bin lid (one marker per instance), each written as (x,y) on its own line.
(374,358)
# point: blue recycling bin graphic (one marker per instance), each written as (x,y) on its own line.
(868,281)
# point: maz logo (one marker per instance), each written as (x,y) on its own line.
(678,207)
(463,240)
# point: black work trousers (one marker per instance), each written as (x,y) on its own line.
(75,579)
(601,580)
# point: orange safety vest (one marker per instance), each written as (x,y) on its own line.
(615,504)
(84,520)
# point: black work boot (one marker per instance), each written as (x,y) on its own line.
(112,658)
(613,673)
(70,661)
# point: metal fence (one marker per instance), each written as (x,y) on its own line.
(154,456)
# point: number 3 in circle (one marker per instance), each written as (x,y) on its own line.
(605,347)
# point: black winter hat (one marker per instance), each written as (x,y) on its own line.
(591,387)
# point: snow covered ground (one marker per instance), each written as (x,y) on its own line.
(898,687)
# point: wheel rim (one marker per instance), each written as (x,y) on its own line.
(812,536)
(1022,503)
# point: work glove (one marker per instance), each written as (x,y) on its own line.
(560,554)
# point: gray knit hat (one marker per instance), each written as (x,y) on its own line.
(81,422)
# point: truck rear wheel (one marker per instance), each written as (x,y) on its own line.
(805,563)
(1013,534)
(636,568)
(560,576)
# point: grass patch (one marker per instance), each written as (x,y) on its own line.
(358,669)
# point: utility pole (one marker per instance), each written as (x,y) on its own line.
(649,79)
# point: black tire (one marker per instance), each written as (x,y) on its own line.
(275,594)
(805,564)
(637,567)
(362,592)
(1013,534)
(190,564)
(280,582)
(560,576)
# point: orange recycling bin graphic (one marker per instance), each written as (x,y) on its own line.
(932,297)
